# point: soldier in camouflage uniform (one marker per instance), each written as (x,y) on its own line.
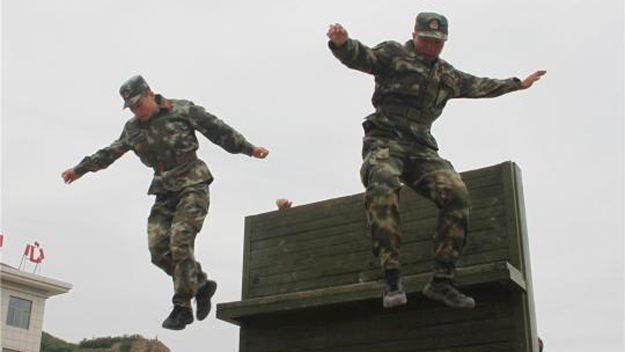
(412,86)
(162,135)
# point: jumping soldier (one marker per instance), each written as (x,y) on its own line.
(412,86)
(162,134)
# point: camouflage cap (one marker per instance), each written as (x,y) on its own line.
(432,25)
(132,90)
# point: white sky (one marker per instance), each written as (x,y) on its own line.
(263,67)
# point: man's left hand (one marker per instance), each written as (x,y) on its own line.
(260,153)
(527,82)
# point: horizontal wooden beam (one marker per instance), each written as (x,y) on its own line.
(236,312)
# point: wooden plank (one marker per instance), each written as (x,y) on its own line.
(355,207)
(481,172)
(350,293)
(468,276)
(485,333)
(364,274)
(359,325)
(480,218)
(300,238)
(311,239)
(473,179)
(490,222)
(356,241)
(249,223)
(315,261)
(412,253)
(453,334)
(325,216)
(243,333)
(399,337)
(519,253)
(492,237)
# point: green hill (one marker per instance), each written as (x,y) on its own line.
(126,343)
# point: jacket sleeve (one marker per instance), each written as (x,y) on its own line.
(358,56)
(482,87)
(218,131)
(103,157)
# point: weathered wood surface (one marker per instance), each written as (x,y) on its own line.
(311,282)
(327,243)
(364,326)
(236,312)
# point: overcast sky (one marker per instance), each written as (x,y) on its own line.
(264,67)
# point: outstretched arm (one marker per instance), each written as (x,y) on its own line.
(223,135)
(98,161)
(482,87)
(356,55)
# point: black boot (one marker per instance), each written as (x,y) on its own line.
(203,299)
(443,290)
(178,318)
(394,294)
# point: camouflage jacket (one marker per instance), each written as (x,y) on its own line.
(404,78)
(167,143)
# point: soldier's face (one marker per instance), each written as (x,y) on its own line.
(428,47)
(146,108)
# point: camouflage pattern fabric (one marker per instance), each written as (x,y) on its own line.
(403,77)
(133,89)
(389,163)
(167,143)
(175,220)
(432,25)
(410,94)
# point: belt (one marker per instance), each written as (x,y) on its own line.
(408,112)
(409,123)
(177,160)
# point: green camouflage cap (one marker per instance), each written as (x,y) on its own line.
(132,90)
(432,25)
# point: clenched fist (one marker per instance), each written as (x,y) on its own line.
(260,153)
(69,176)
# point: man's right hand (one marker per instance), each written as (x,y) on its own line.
(69,176)
(337,34)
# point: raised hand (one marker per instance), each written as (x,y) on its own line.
(260,153)
(337,34)
(527,82)
(283,203)
(69,176)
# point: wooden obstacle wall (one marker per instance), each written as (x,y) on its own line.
(311,282)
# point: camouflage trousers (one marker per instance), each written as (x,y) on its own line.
(389,163)
(175,220)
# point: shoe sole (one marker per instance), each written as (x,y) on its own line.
(176,328)
(439,297)
(394,301)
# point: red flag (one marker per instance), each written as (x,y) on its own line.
(1,240)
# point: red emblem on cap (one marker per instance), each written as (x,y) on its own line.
(434,24)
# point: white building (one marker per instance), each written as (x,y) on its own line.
(23,301)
